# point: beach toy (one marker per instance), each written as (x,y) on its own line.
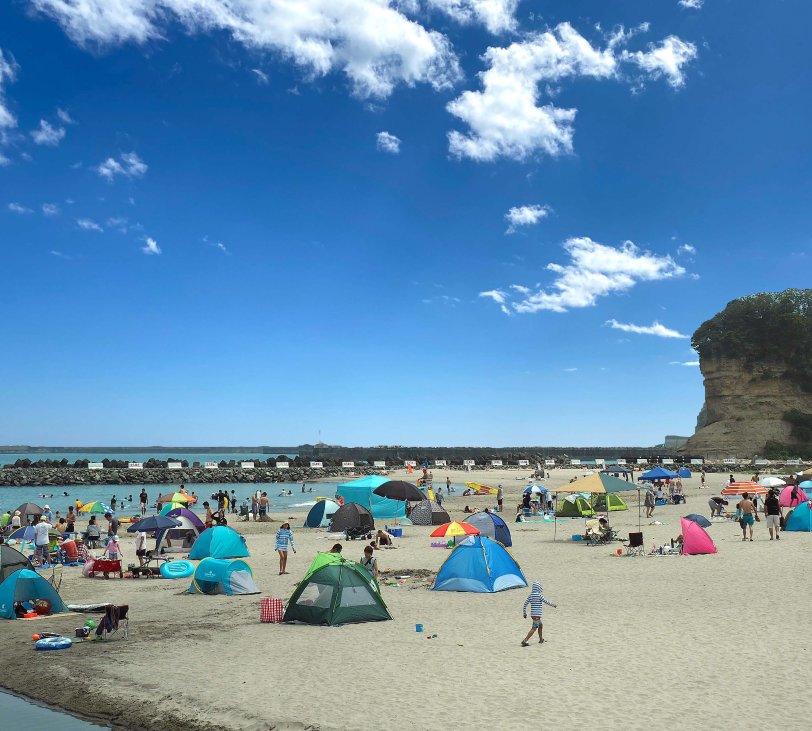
(619,551)
(418,628)
(53,643)
(91,623)
(35,637)
(577,537)
(177,569)
(30,615)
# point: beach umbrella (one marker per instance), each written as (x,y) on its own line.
(169,507)
(454,529)
(739,488)
(153,523)
(27,509)
(399,490)
(700,520)
(771,481)
(534,490)
(177,497)
(596,484)
(786,499)
(96,508)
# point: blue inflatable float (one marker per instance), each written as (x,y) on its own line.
(177,569)
(53,643)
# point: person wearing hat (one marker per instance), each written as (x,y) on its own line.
(113,548)
(47,514)
(15,520)
(42,541)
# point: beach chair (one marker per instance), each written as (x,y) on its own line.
(635,545)
(56,576)
(114,621)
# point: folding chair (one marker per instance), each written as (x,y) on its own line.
(115,620)
(56,576)
(635,545)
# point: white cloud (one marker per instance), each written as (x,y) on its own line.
(594,270)
(689,363)
(570,370)
(151,247)
(498,296)
(665,59)
(506,118)
(47,134)
(656,328)
(220,246)
(387,142)
(128,165)
(8,73)
(692,4)
(17,208)
(498,16)
(59,254)
(372,43)
(686,249)
(4,160)
(50,209)
(117,222)
(64,117)
(525,216)
(88,224)
(262,77)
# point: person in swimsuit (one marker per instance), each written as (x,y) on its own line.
(748,513)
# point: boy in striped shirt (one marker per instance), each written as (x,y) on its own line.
(536,601)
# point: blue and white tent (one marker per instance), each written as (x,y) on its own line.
(213,576)
(479,564)
(219,541)
(320,514)
(800,519)
(492,526)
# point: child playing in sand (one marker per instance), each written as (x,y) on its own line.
(536,601)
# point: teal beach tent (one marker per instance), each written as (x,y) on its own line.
(800,519)
(360,491)
(27,586)
(213,576)
(219,541)
(320,514)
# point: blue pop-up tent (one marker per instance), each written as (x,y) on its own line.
(481,565)
(491,525)
(320,514)
(213,576)
(361,491)
(219,541)
(26,585)
(800,518)
(658,473)
(684,472)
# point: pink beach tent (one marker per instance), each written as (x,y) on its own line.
(786,500)
(695,539)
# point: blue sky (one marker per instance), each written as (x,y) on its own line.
(426,222)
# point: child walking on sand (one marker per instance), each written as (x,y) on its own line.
(536,601)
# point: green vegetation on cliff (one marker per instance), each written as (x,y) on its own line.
(773,328)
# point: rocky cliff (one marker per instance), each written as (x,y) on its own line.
(755,359)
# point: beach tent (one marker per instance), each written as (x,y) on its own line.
(184,536)
(320,514)
(610,499)
(361,492)
(684,472)
(26,585)
(336,591)
(658,473)
(352,516)
(786,499)
(574,506)
(169,507)
(800,519)
(479,564)
(216,576)
(220,541)
(429,512)
(492,526)
(11,560)
(29,512)
(695,539)
(25,533)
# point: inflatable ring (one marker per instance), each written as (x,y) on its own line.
(53,643)
(177,569)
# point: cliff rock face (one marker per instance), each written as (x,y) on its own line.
(744,408)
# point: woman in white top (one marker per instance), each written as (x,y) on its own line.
(42,541)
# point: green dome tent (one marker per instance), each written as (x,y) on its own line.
(336,591)
(615,502)
(574,506)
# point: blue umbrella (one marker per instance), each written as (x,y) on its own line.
(537,489)
(700,520)
(153,523)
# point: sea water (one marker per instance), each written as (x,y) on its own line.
(55,497)
(23,714)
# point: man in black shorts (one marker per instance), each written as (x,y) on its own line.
(144,498)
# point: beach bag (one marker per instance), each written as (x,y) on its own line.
(270,610)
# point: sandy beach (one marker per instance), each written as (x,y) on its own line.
(636,643)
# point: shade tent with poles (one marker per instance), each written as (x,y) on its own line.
(597,483)
(657,473)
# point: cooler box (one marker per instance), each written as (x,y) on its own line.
(270,610)
(395,532)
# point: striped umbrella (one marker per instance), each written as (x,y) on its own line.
(177,497)
(739,488)
(97,507)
